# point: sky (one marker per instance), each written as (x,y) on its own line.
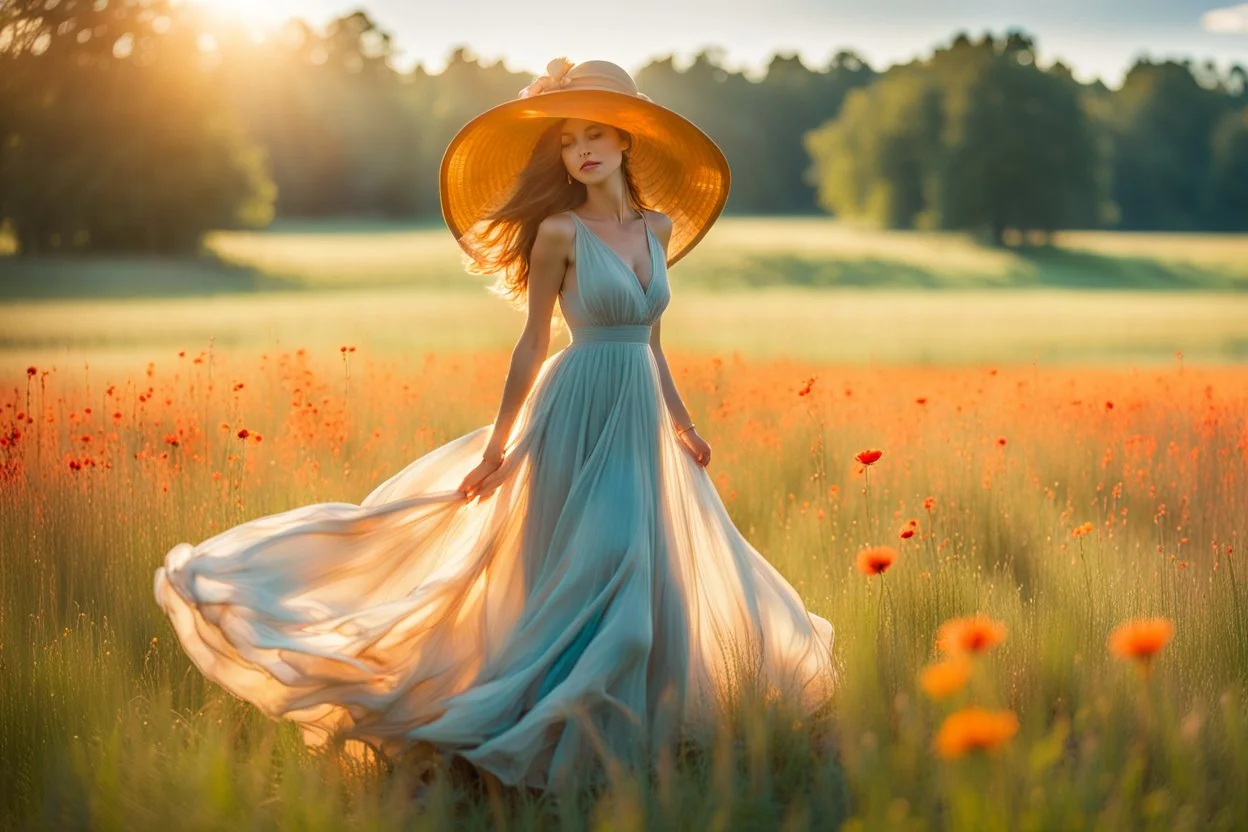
(1097,38)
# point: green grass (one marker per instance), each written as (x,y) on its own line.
(889,326)
(104,723)
(738,253)
(802,287)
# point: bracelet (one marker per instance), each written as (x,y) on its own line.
(684,430)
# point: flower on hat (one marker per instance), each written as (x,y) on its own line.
(556,77)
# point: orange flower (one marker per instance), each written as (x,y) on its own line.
(805,391)
(973,729)
(929,503)
(876,559)
(974,634)
(1086,528)
(868,456)
(943,679)
(907,532)
(1141,639)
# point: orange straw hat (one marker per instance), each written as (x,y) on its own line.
(678,169)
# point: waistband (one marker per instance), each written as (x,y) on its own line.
(611,334)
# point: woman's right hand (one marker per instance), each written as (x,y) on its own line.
(479,482)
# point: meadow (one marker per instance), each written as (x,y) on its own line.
(1058,456)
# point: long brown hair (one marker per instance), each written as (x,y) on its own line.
(505,242)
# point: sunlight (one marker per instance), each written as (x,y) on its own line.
(255,16)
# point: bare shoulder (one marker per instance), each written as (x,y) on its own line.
(556,228)
(661,223)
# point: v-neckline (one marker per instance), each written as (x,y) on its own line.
(645,290)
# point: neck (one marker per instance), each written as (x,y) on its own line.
(607,199)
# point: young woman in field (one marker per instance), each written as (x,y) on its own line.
(562,588)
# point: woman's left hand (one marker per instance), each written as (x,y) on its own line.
(696,447)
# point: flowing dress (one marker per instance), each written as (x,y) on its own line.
(601,602)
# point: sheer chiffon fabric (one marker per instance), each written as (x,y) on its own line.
(600,603)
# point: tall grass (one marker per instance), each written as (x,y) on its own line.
(104,723)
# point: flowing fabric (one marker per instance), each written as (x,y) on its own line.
(599,603)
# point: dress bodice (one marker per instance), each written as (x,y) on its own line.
(607,294)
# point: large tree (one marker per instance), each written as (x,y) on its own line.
(116,136)
(977,137)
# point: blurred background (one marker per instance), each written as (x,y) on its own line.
(935,181)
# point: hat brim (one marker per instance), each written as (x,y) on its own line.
(679,170)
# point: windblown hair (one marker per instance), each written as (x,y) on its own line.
(504,242)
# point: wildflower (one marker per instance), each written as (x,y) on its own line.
(243,433)
(929,503)
(869,456)
(30,371)
(1141,639)
(1001,440)
(1086,528)
(805,391)
(975,634)
(876,560)
(907,533)
(973,729)
(943,679)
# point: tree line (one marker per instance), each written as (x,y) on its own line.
(138,125)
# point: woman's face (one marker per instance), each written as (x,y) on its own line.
(588,142)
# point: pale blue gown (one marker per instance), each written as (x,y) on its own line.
(598,604)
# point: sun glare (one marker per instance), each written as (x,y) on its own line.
(256,15)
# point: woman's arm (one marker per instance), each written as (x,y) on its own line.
(694,444)
(675,406)
(697,447)
(547,264)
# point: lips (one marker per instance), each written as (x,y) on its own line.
(589,165)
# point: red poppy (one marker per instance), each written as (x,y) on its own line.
(869,456)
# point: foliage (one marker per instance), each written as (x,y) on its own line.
(116,138)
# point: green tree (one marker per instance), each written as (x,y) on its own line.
(118,137)
(977,137)
(1163,120)
(1228,173)
(875,161)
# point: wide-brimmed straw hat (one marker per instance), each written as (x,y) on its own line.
(678,169)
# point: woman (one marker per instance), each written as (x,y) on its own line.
(561,589)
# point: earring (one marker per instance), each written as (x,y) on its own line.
(569,179)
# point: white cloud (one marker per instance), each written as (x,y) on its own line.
(1231,19)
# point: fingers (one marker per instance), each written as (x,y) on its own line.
(487,486)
